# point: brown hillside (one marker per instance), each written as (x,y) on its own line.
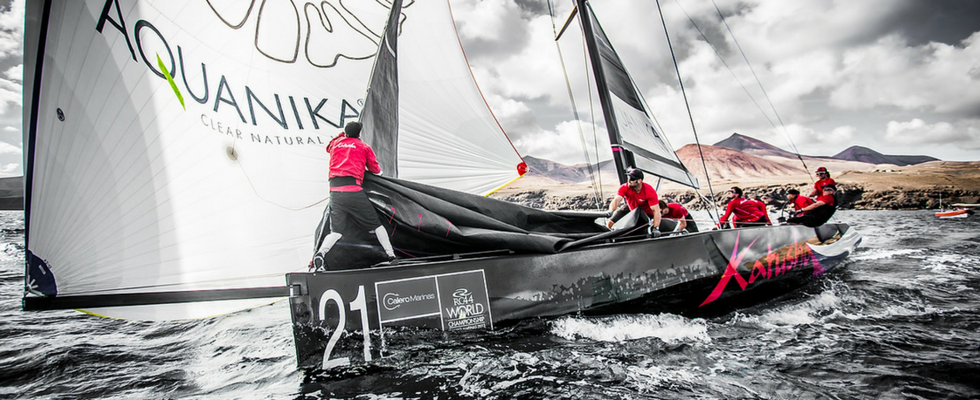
(726,164)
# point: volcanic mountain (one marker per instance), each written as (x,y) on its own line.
(726,163)
(738,157)
(864,154)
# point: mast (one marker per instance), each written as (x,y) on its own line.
(621,156)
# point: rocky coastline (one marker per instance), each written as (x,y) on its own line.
(854,196)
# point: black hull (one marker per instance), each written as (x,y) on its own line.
(689,274)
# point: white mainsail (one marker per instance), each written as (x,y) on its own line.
(209,185)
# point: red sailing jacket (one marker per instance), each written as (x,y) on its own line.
(800,202)
(762,208)
(818,186)
(350,157)
(827,199)
(743,210)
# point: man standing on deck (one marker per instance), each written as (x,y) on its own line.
(637,195)
(349,158)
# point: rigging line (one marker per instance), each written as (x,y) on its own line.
(687,104)
(728,67)
(588,83)
(766,94)
(568,85)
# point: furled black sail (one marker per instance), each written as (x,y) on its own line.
(426,221)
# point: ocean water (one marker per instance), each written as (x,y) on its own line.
(900,320)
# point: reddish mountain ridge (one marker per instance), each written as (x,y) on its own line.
(737,158)
(727,164)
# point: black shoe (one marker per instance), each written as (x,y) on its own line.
(393,260)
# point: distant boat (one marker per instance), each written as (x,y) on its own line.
(962,210)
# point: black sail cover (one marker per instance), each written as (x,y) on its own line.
(425,220)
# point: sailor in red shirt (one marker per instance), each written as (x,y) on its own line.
(819,212)
(349,158)
(824,180)
(637,195)
(746,213)
(761,206)
(679,213)
(798,202)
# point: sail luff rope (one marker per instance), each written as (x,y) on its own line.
(596,193)
(766,94)
(690,116)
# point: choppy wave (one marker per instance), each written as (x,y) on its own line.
(900,320)
(670,328)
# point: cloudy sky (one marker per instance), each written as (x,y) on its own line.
(897,76)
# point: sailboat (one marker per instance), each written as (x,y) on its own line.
(175,169)
(479,263)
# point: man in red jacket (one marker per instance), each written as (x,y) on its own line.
(798,202)
(678,212)
(746,213)
(819,212)
(761,206)
(824,179)
(349,158)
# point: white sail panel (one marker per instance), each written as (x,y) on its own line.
(133,192)
(648,146)
(213,181)
(447,134)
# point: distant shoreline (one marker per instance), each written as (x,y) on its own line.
(901,188)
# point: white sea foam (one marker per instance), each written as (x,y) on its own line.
(649,379)
(879,254)
(812,311)
(670,328)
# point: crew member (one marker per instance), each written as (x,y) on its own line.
(798,202)
(823,179)
(637,195)
(745,213)
(761,206)
(820,211)
(677,212)
(349,158)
